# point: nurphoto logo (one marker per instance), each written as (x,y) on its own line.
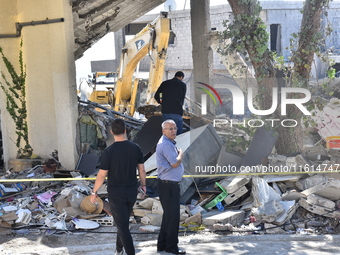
(238,100)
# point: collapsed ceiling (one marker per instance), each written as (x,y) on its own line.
(95,18)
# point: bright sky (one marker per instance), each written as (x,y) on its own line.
(104,48)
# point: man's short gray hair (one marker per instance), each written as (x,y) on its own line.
(167,121)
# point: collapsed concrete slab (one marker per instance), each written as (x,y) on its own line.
(329,189)
(235,217)
(321,201)
(310,182)
(320,210)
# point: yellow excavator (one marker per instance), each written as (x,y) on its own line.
(153,39)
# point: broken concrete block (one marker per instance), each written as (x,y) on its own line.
(149,228)
(157,207)
(303,163)
(290,208)
(236,183)
(147,203)
(273,229)
(223,227)
(236,195)
(313,152)
(324,202)
(262,192)
(318,209)
(213,217)
(270,211)
(24,216)
(197,218)
(141,212)
(183,212)
(311,181)
(329,189)
(292,195)
(152,219)
(247,204)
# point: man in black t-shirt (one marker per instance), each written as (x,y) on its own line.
(119,163)
(171,95)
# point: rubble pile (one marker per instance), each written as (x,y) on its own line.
(259,192)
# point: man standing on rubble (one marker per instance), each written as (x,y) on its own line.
(171,95)
(119,163)
(170,172)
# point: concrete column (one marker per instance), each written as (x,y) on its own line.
(48,52)
(119,38)
(202,54)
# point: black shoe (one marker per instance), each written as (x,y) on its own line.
(178,251)
(159,249)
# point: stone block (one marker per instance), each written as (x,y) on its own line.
(309,182)
(147,203)
(234,217)
(236,195)
(152,219)
(197,218)
(270,211)
(141,212)
(290,208)
(292,195)
(321,201)
(273,229)
(157,207)
(329,189)
(236,183)
(318,209)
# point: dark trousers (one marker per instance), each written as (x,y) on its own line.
(176,118)
(121,209)
(169,195)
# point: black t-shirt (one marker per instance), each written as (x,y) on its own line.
(121,160)
(173,94)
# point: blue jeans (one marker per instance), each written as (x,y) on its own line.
(176,118)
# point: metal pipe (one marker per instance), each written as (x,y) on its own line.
(19,26)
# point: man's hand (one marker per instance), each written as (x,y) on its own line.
(93,198)
(142,189)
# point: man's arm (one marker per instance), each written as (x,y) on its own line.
(142,176)
(157,97)
(99,182)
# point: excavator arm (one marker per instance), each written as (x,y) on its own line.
(152,40)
